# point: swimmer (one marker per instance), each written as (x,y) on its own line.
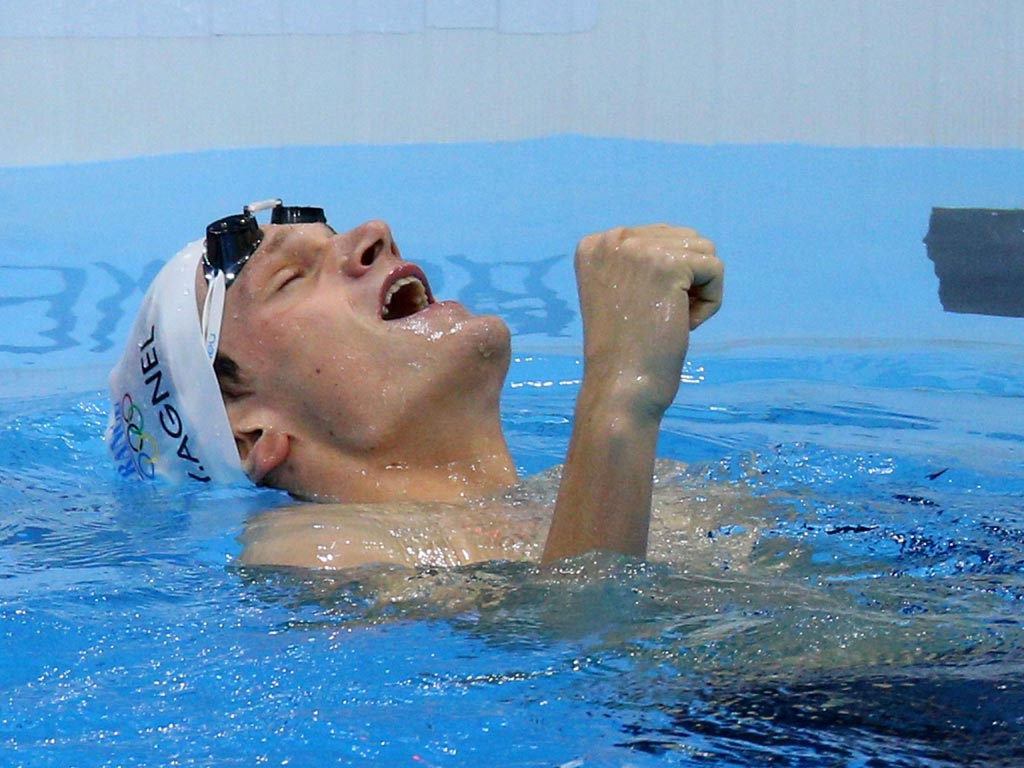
(320,363)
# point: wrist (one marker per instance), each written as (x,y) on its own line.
(624,397)
(642,377)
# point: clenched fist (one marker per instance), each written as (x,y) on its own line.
(642,290)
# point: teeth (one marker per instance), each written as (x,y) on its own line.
(417,298)
(398,285)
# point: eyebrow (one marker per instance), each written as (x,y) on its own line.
(270,251)
(270,247)
(281,233)
(273,240)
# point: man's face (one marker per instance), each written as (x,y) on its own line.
(343,340)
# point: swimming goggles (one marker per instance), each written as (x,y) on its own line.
(230,243)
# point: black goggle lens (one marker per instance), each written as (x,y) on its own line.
(231,241)
(297,214)
(229,244)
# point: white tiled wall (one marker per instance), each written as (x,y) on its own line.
(199,18)
(95,79)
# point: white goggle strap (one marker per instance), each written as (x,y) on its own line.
(213,313)
(262,205)
(213,307)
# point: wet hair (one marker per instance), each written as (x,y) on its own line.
(230,377)
(234,385)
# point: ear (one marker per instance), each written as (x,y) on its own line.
(262,451)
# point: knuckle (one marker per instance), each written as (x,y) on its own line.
(586,244)
(702,244)
(586,248)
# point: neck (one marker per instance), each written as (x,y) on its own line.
(454,471)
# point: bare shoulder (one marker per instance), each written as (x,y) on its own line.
(337,536)
(697,521)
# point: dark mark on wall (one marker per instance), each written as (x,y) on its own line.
(979,260)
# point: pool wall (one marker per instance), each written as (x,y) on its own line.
(124,78)
(810,140)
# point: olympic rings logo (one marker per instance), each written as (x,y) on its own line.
(143,445)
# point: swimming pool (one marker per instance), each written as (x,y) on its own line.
(849,591)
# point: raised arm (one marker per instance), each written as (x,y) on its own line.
(642,290)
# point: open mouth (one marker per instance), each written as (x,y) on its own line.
(406,296)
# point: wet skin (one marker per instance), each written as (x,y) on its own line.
(339,403)
(359,387)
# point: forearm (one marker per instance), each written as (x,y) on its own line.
(642,289)
(604,500)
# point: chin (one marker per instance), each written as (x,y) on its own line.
(494,341)
(479,361)
(470,353)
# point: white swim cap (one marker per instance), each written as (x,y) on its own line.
(167,417)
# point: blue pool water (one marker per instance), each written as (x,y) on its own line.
(849,591)
(877,620)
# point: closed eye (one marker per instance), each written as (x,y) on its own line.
(287,278)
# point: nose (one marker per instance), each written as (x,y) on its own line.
(370,242)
